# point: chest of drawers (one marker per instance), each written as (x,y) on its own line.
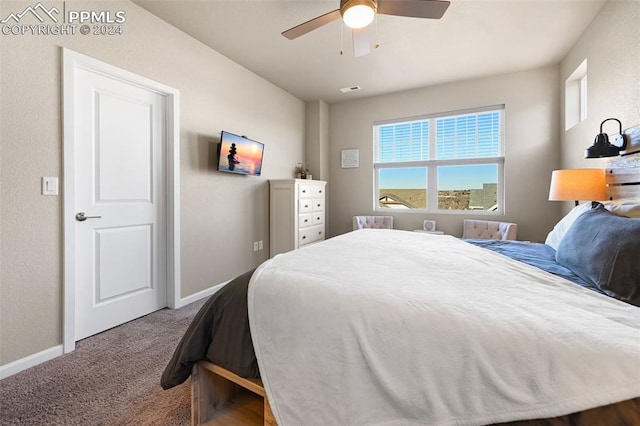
(297,213)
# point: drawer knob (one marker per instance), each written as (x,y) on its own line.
(304,236)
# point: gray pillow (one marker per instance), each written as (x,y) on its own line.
(604,249)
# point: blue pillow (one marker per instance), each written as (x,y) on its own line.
(604,249)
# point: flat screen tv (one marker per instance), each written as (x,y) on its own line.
(237,154)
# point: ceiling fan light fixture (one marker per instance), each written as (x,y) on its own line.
(358,13)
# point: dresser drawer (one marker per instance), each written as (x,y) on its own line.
(306,219)
(310,235)
(317,205)
(306,190)
(305,205)
(317,218)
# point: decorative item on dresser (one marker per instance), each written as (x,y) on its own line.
(301,171)
(297,213)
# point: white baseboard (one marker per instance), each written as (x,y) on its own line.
(200,295)
(38,358)
(29,361)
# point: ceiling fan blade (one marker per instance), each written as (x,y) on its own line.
(433,9)
(302,29)
(361,42)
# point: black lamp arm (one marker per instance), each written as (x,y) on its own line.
(619,124)
(619,141)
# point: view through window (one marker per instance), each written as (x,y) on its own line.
(444,162)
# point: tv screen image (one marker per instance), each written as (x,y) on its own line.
(240,155)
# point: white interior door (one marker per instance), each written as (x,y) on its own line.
(120,133)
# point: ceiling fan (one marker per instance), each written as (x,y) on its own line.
(358,14)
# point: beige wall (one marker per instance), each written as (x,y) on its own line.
(532,151)
(222,214)
(611,45)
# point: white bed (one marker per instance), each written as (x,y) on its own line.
(368,328)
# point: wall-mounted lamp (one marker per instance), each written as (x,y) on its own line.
(578,184)
(602,147)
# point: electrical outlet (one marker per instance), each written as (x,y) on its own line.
(260,245)
(255,246)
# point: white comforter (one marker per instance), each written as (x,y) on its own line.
(395,328)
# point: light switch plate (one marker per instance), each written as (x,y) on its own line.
(49,186)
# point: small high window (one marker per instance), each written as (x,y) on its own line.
(575,96)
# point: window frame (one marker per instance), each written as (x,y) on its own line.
(432,164)
(575,96)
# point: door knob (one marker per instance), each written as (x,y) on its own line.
(80,217)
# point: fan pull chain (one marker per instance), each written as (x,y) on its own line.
(341,37)
(376,44)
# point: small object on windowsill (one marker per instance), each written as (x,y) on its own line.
(429,225)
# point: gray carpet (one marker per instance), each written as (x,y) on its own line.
(112,378)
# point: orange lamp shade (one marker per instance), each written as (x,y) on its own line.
(578,184)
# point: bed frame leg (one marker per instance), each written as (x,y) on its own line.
(212,391)
(208,393)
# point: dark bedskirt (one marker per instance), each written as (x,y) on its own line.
(219,333)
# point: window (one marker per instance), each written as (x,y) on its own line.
(575,96)
(441,163)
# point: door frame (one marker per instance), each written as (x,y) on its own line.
(71,61)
